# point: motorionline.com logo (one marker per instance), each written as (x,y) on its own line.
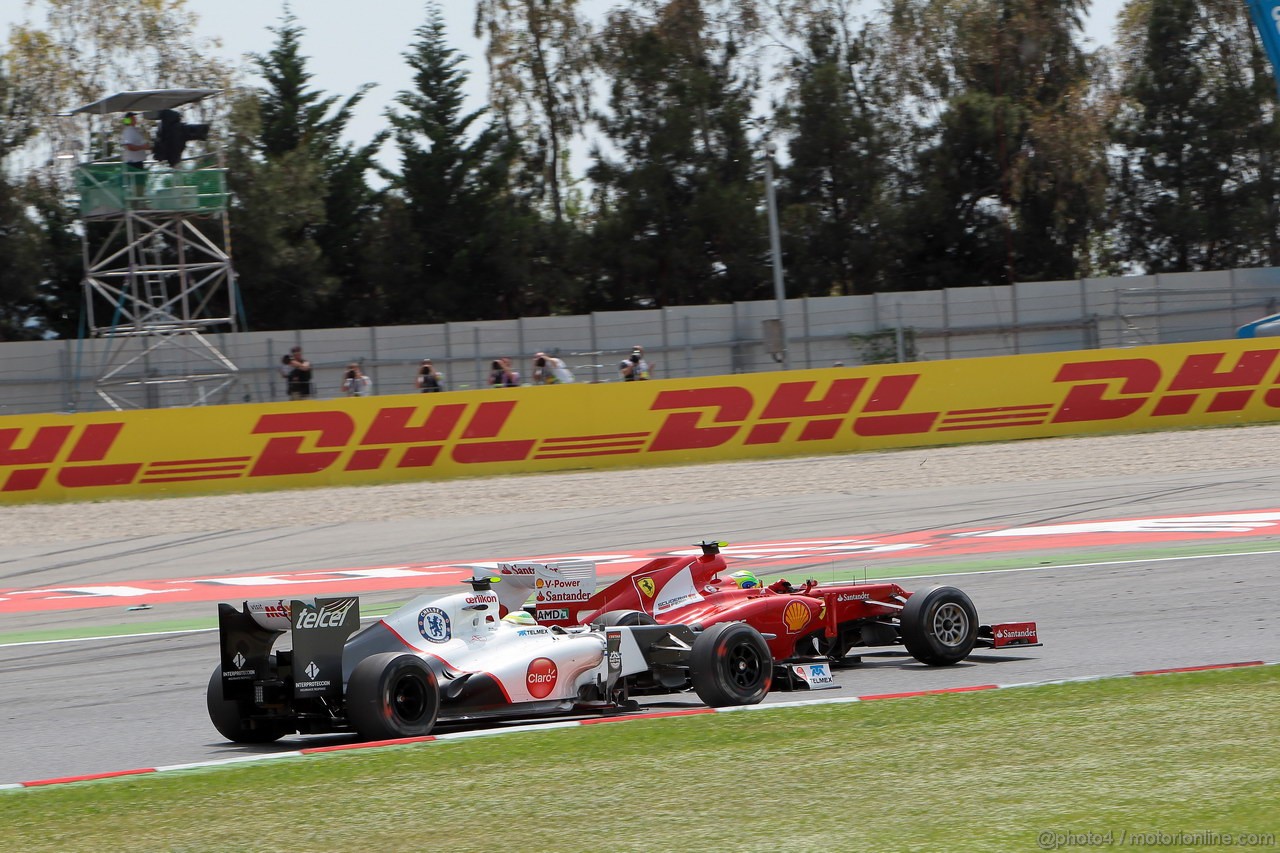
(1055,840)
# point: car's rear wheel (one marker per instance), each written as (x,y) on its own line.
(730,665)
(393,695)
(939,626)
(616,618)
(227,716)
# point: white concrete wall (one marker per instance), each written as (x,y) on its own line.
(700,340)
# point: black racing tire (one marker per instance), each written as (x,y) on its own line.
(621,618)
(939,626)
(393,695)
(730,665)
(228,717)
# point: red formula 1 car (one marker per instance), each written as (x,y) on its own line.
(807,627)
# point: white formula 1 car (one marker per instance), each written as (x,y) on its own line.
(455,658)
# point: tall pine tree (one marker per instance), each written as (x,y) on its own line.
(303,204)
(833,194)
(456,240)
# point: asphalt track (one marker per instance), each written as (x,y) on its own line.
(85,707)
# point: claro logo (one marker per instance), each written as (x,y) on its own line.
(541,677)
(331,614)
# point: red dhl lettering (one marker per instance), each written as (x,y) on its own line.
(291,453)
(307,443)
(92,445)
(1102,391)
(1121,388)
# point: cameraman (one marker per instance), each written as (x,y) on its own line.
(297,374)
(634,367)
(501,375)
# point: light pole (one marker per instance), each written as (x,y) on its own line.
(775,249)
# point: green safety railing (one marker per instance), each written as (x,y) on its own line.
(108,189)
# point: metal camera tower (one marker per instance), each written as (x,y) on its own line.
(157,265)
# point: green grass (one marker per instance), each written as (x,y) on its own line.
(980,771)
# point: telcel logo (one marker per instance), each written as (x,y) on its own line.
(331,615)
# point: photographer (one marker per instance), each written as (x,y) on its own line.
(429,380)
(549,370)
(297,373)
(501,375)
(634,368)
(354,382)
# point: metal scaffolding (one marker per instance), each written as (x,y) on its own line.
(158,277)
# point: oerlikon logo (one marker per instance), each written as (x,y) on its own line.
(795,616)
(541,677)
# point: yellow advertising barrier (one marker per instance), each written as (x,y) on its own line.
(561,427)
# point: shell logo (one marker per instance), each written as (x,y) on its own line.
(647,587)
(541,677)
(539,583)
(795,616)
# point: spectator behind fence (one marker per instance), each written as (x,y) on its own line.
(634,367)
(549,370)
(354,381)
(297,374)
(501,375)
(429,379)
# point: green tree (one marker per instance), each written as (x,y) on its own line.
(303,206)
(1196,181)
(539,82)
(1008,174)
(459,239)
(678,217)
(19,237)
(837,111)
(39,246)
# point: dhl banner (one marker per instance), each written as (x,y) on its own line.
(560,427)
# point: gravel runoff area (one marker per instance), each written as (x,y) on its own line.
(1029,460)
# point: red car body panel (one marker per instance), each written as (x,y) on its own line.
(798,622)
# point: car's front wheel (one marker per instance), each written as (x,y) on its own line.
(939,626)
(392,695)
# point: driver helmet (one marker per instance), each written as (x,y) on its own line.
(520,617)
(745,580)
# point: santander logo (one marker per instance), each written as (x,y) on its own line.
(541,677)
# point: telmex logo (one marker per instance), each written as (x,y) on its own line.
(298,443)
